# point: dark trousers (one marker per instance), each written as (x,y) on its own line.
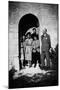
(35,58)
(38,57)
(45,54)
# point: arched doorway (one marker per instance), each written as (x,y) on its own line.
(27,21)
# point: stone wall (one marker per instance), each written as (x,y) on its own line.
(47,15)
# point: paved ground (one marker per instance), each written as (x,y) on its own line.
(32,77)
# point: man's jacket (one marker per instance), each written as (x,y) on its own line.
(46,44)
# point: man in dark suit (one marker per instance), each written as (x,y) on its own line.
(46,45)
(34,33)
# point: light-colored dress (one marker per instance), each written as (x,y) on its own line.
(28,49)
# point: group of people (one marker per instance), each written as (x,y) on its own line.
(30,49)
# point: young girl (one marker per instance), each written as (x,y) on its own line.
(28,49)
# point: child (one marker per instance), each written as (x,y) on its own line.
(36,51)
(28,49)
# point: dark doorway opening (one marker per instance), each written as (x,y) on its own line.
(27,21)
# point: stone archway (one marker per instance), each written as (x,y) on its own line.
(27,21)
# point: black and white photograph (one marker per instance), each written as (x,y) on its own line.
(33,44)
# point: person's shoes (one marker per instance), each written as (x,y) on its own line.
(34,66)
(42,67)
(47,68)
(30,66)
(39,66)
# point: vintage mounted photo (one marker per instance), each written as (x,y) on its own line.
(33,44)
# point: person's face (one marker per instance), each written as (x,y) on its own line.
(35,38)
(44,31)
(23,37)
(34,31)
(28,36)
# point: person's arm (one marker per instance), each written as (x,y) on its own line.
(24,45)
(41,38)
(41,43)
(49,42)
